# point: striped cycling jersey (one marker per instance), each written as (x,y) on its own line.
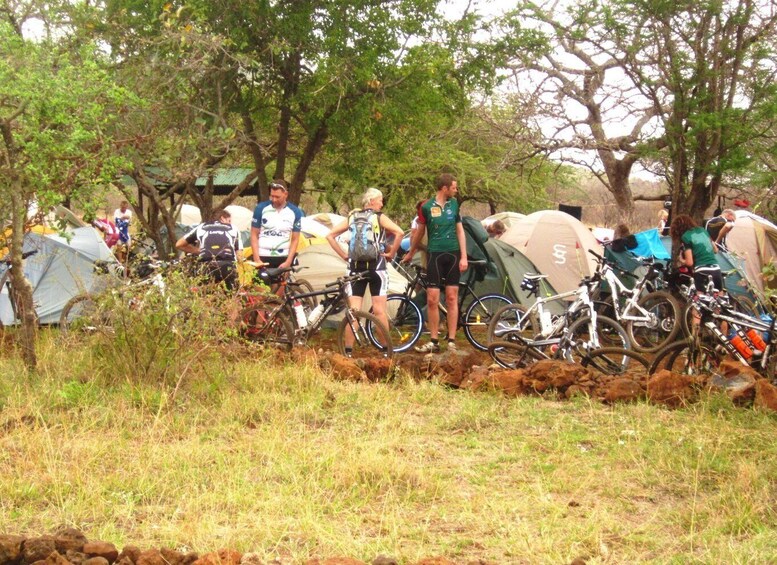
(275,227)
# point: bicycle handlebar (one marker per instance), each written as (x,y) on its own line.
(24,256)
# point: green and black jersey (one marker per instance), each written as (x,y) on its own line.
(440,222)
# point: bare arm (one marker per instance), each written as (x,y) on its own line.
(397,232)
(255,244)
(463,263)
(293,244)
(332,235)
(186,247)
(414,242)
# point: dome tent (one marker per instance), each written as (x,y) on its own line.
(754,239)
(557,244)
(60,269)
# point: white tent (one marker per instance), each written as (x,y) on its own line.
(557,244)
(754,239)
(508,218)
(323,266)
(241,217)
(58,270)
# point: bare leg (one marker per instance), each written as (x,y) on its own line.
(433,311)
(452,302)
(354,302)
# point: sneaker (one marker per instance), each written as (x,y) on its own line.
(428,348)
(452,346)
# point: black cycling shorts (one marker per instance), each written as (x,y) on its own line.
(221,271)
(443,268)
(378,281)
(701,276)
(275,261)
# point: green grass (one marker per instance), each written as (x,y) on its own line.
(285,461)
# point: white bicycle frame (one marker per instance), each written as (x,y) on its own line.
(617,288)
(582,300)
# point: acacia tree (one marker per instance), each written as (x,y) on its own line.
(707,69)
(569,76)
(57,105)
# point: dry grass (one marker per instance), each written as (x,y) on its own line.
(289,463)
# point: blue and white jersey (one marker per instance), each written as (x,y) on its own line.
(275,227)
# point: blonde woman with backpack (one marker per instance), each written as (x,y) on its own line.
(367,251)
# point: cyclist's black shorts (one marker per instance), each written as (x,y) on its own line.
(275,261)
(377,281)
(443,269)
(221,271)
(701,276)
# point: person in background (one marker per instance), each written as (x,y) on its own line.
(122,217)
(275,228)
(496,228)
(447,248)
(380,227)
(663,217)
(621,230)
(697,252)
(217,244)
(720,226)
(108,229)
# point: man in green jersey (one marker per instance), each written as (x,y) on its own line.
(447,246)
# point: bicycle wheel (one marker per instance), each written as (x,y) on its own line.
(478,318)
(82,313)
(302,286)
(366,343)
(615,361)
(405,322)
(609,333)
(663,325)
(687,358)
(514,354)
(267,323)
(506,324)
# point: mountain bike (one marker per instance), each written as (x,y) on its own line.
(87,312)
(537,327)
(407,321)
(650,318)
(269,321)
(752,342)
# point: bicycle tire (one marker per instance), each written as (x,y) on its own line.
(303,286)
(365,344)
(267,323)
(505,324)
(609,333)
(662,329)
(614,361)
(478,318)
(82,313)
(686,358)
(514,354)
(405,322)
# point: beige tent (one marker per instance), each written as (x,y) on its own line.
(508,218)
(241,216)
(755,240)
(557,244)
(323,266)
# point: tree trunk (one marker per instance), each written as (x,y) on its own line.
(25,306)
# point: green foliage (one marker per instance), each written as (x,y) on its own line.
(156,334)
(63,106)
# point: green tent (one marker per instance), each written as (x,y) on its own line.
(733,281)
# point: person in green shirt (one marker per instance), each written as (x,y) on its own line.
(447,246)
(697,252)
